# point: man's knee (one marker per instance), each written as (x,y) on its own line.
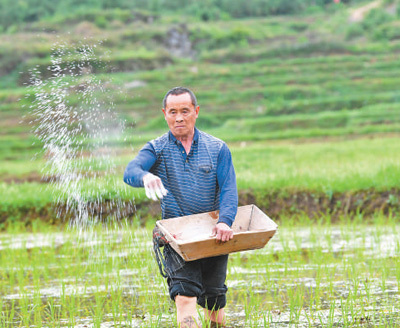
(214,298)
(184,288)
(213,303)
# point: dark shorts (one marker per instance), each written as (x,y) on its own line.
(203,278)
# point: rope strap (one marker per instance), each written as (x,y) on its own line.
(159,240)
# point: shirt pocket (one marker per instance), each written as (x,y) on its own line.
(205,168)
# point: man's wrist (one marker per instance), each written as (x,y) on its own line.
(224,223)
(143,174)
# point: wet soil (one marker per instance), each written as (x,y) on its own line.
(277,205)
(314,204)
(26,178)
(336,291)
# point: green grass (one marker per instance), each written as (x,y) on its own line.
(335,164)
(323,167)
(331,165)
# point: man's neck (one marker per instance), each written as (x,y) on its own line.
(186,141)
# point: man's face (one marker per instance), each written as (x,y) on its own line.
(180,115)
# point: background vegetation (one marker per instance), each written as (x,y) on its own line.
(14,13)
(305,93)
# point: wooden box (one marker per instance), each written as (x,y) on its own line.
(190,235)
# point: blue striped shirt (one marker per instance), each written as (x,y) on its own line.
(203,180)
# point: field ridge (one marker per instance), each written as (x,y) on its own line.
(277,204)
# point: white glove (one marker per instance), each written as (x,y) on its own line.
(154,187)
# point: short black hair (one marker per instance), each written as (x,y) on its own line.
(179,91)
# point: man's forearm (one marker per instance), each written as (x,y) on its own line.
(140,166)
(228,207)
(134,174)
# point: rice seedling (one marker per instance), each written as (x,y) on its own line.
(311,273)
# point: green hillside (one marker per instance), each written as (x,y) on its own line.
(276,82)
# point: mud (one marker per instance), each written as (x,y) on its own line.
(26,178)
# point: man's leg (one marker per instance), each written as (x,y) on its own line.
(186,311)
(213,298)
(184,282)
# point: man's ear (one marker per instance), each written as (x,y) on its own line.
(165,115)
(197,109)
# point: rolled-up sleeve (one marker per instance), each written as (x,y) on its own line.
(140,166)
(227,184)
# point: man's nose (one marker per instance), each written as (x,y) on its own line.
(179,118)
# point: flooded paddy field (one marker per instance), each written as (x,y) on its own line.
(309,275)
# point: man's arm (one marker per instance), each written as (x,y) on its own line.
(228,201)
(137,173)
(140,166)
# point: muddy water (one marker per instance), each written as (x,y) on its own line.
(316,276)
(345,276)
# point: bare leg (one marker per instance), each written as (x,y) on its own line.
(215,316)
(186,311)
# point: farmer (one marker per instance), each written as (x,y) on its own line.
(190,172)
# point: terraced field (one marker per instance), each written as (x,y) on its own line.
(300,89)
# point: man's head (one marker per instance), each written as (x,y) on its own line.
(179,91)
(180,111)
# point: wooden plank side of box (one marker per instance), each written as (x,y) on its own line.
(207,248)
(190,235)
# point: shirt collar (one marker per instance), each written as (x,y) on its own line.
(195,137)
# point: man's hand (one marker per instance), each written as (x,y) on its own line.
(154,187)
(222,232)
